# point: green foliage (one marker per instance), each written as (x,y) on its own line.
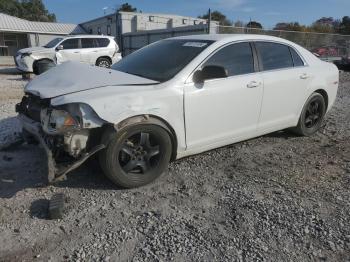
(33,10)
(293,26)
(127,8)
(344,27)
(322,25)
(217,16)
(254,24)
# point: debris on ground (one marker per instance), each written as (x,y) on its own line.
(274,198)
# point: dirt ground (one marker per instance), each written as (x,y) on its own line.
(274,198)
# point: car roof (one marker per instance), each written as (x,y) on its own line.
(232,37)
(90,36)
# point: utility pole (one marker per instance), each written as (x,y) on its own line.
(209,20)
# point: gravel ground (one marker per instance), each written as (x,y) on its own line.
(275,198)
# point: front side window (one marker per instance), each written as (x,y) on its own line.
(274,56)
(237,59)
(162,60)
(71,43)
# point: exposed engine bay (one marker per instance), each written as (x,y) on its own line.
(70,134)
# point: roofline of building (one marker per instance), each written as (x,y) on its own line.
(33,32)
(39,22)
(138,13)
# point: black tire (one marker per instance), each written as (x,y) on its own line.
(132,158)
(103,62)
(311,116)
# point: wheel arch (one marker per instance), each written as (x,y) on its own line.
(153,120)
(323,93)
(35,62)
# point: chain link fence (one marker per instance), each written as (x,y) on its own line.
(330,47)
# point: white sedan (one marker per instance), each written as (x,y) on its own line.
(175,98)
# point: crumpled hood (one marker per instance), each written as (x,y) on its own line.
(35,50)
(72,77)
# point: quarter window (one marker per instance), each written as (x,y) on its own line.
(237,59)
(274,56)
(71,43)
(102,42)
(296,58)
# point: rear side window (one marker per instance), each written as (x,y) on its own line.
(274,56)
(102,42)
(237,59)
(296,58)
(87,43)
(71,43)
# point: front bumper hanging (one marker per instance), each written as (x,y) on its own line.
(56,172)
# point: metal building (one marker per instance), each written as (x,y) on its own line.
(129,22)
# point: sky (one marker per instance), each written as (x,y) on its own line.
(267,12)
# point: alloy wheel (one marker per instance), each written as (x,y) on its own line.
(139,153)
(313,114)
(104,63)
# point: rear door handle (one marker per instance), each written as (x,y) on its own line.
(77,52)
(304,76)
(253,84)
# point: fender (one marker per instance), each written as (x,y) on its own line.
(152,120)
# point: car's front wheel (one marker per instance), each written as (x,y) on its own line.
(311,116)
(136,155)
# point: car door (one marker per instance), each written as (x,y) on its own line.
(285,79)
(89,50)
(222,111)
(70,51)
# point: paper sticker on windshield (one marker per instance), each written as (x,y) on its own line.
(195,44)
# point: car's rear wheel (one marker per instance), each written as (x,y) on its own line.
(136,155)
(311,116)
(103,62)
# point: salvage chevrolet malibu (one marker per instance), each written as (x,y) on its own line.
(175,98)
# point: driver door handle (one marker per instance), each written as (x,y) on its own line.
(253,84)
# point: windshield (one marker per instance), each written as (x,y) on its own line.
(162,60)
(53,42)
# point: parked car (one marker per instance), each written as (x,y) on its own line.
(90,49)
(175,98)
(328,54)
(343,63)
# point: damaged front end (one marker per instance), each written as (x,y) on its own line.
(70,133)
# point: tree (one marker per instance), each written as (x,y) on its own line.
(324,25)
(293,26)
(11,7)
(238,23)
(33,10)
(344,27)
(127,8)
(217,16)
(254,24)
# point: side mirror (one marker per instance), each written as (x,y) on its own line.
(60,47)
(209,72)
